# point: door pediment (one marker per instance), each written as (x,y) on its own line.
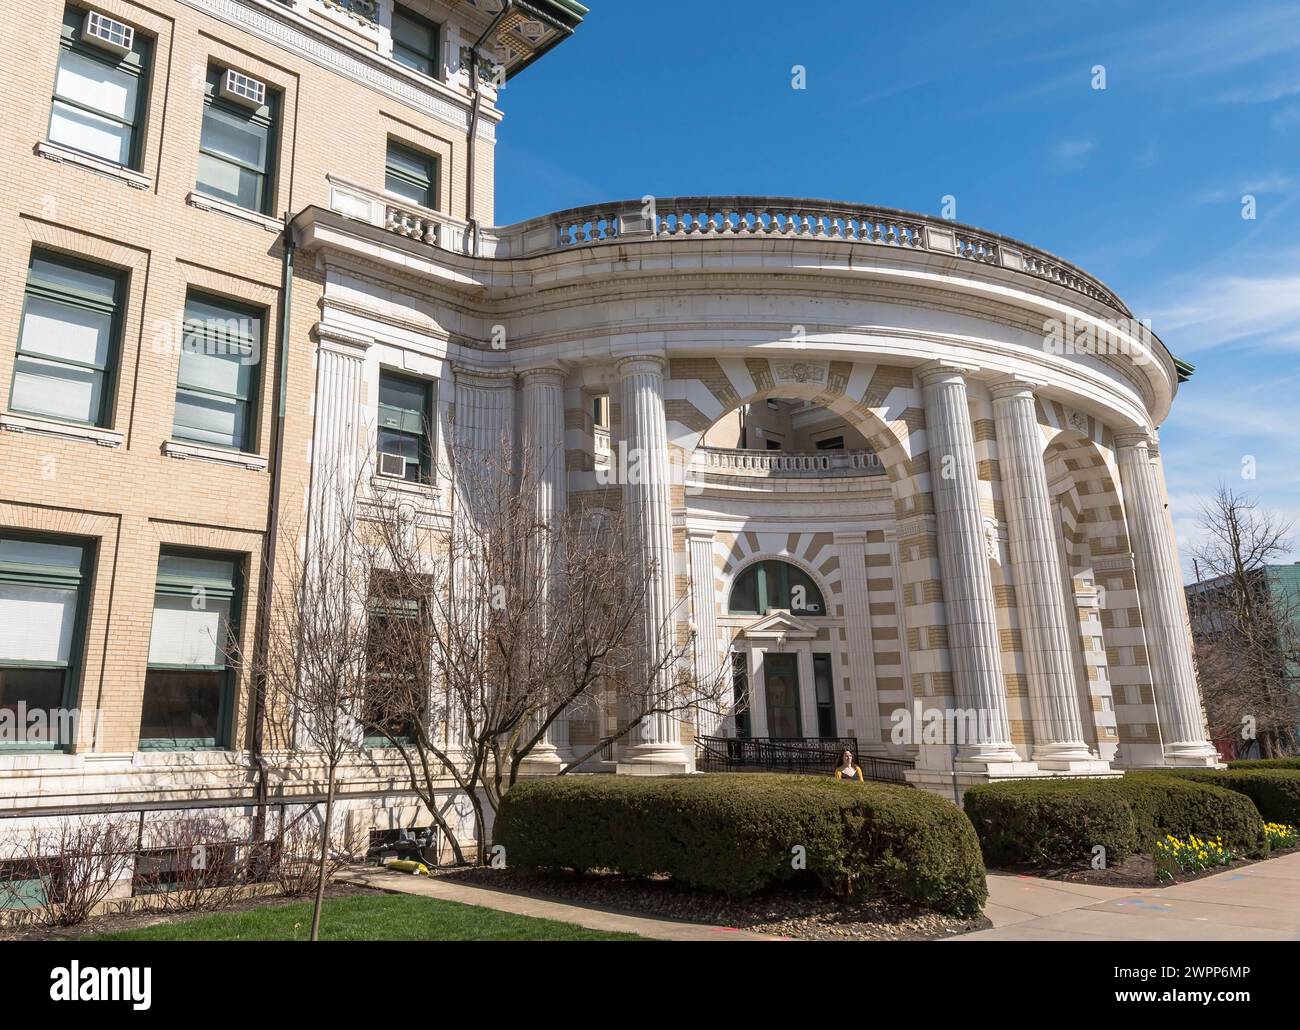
(780,624)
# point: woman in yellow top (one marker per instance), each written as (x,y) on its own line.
(846,770)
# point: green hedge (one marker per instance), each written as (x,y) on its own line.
(1275,791)
(735,834)
(1045,822)
(1265,763)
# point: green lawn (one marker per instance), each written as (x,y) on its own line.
(379,917)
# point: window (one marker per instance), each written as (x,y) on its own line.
(220,369)
(831,443)
(412,175)
(415,42)
(99,93)
(188,685)
(773,445)
(775,584)
(740,692)
(600,411)
(824,684)
(68,344)
(405,427)
(237,147)
(43,591)
(394,682)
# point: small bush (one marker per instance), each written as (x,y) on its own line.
(736,834)
(1265,763)
(1046,822)
(1275,790)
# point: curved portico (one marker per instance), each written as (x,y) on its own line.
(960,361)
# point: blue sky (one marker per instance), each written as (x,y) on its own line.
(1140,183)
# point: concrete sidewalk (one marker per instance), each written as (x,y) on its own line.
(564,912)
(1259,902)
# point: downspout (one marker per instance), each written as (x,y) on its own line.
(474,113)
(267,593)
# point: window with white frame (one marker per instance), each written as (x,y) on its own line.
(188,687)
(100,87)
(43,591)
(68,343)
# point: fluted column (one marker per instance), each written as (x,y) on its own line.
(967,582)
(336,434)
(482,435)
(708,656)
(1054,691)
(646,504)
(543,468)
(1160,594)
(852,549)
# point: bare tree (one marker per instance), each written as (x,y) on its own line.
(1246,631)
(60,874)
(499,623)
(313,664)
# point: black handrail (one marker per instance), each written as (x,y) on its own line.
(806,755)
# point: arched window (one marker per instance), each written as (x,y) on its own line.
(775,584)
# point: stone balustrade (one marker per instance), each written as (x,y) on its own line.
(698,218)
(811,464)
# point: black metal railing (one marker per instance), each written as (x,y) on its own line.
(816,756)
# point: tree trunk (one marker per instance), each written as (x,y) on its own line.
(324,855)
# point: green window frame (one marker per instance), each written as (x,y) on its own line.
(406,427)
(238,148)
(54,369)
(218,381)
(824,694)
(770,584)
(412,175)
(384,610)
(190,673)
(103,123)
(41,652)
(415,41)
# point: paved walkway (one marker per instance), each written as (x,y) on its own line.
(564,912)
(1259,902)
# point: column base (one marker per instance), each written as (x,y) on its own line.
(656,760)
(1069,758)
(1193,755)
(954,784)
(543,760)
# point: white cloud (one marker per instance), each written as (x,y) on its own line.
(1274,183)
(1072,153)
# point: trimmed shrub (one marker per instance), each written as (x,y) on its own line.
(735,834)
(1046,822)
(1275,791)
(1265,763)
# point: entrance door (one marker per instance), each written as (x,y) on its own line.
(781,691)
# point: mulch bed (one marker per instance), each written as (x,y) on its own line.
(806,914)
(118,923)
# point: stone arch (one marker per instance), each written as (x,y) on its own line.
(824,575)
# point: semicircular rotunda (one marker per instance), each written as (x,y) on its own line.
(903,486)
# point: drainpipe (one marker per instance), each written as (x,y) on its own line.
(470,215)
(267,594)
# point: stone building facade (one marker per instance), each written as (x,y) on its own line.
(958,468)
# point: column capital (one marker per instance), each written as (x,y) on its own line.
(493,378)
(1137,437)
(943,370)
(1013,386)
(342,341)
(649,361)
(543,371)
(700,535)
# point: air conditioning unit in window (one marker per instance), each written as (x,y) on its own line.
(392,465)
(108,33)
(243,89)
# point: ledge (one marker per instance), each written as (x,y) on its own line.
(217,455)
(65,155)
(14,423)
(206,203)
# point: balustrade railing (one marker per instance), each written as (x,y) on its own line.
(815,756)
(737,461)
(683,218)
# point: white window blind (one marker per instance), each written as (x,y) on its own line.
(36,623)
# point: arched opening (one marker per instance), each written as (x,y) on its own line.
(775,584)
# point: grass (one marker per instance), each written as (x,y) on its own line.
(380,917)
